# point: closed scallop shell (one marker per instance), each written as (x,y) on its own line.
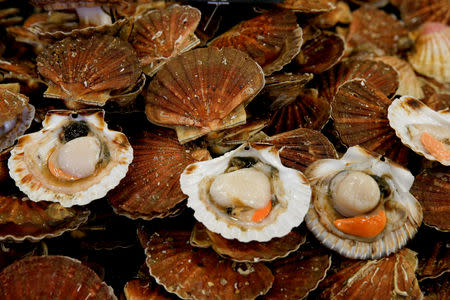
(4,172)
(161,34)
(138,289)
(415,13)
(59,4)
(272,39)
(38,273)
(434,259)
(341,14)
(87,70)
(306,6)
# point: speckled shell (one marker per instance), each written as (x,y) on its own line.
(28,161)
(203,90)
(172,262)
(415,13)
(295,199)
(88,69)
(38,273)
(272,39)
(14,110)
(431,53)
(408,111)
(403,215)
(161,34)
(21,219)
(306,6)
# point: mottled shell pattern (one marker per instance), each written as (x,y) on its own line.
(403,211)
(29,161)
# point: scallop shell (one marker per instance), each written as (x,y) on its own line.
(4,172)
(21,219)
(272,39)
(16,115)
(431,54)
(434,259)
(438,101)
(408,111)
(360,115)
(295,197)
(415,13)
(161,34)
(88,69)
(152,188)
(437,289)
(172,261)
(137,289)
(403,211)
(306,6)
(66,4)
(341,14)
(38,273)
(28,161)
(189,92)
(371,3)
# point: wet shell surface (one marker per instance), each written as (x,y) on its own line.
(88,69)
(411,119)
(38,273)
(208,185)
(308,6)
(160,34)
(403,214)
(16,115)
(272,39)
(97,168)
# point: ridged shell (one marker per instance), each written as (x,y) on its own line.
(161,34)
(403,212)
(360,115)
(408,111)
(200,89)
(137,289)
(272,39)
(21,219)
(438,101)
(16,115)
(341,14)
(151,188)
(431,53)
(88,69)
(38,273)
(287,214)
(306,6)
(28,161)
(392,277)
(172,262)
(415,13)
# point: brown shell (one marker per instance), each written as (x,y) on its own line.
(137,289)
(392,277)
(88,69)
(23,70)
(307,6)
(438,101)
(253,251)
(432,188)
(375,31)
(172,262)
(437,289)
(201,88)
(38,273)
(160,34)
(272,39)
(14,107)
(341,14)
(151,188)
(359,112)
(298,274)
(434,259)
(371,3)
(66,4)
(415,13)
(320,53)
(4,171)
(21,219)
(301,147)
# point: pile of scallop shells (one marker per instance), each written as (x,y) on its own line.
(156,149)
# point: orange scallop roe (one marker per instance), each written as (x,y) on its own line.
(261,213)
(434,147)
(363,226)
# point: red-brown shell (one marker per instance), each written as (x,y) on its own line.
(47,277)
(438,101)
(137,289)
(66,4)
(160,34)
(307,6)
(4,171)
(341,14)
(434,259)
(272,39)
(415,13)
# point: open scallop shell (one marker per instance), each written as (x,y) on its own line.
(272,39)
(292,204)
(406,113)
(203,90)
(160,34)
(415,13)
(28,161)
(307,6)
(38,273)
(403,211)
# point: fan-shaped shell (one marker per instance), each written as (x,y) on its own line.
(403,211)
(28,164)
(160,34)
(88,69)
(137,289)
(38,274)
(308,6)
(341,14)
(16,115)
(438,101)
(272,39)
(203,90)
(415,13)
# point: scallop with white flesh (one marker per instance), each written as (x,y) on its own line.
(422,129)
(247,194)
(361,205)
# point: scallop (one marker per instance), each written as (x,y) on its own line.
(219,193)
